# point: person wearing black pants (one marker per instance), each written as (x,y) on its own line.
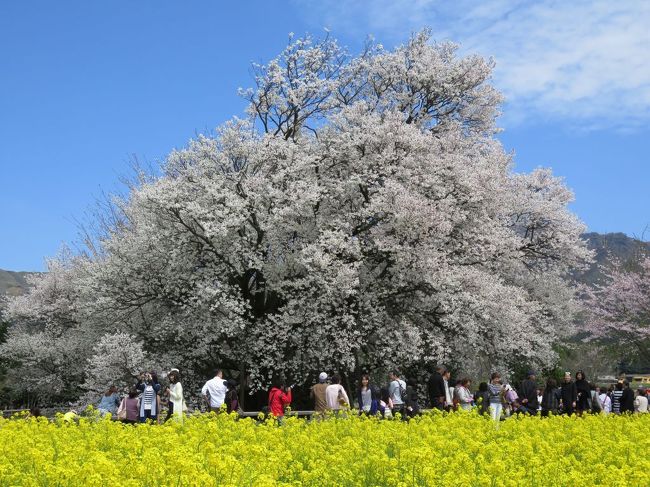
(568,394)
(528,393)
(436,386)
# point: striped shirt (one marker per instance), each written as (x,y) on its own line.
(495,393)
(616,401)
(147,397)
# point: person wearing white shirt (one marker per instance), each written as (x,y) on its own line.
(605,402)
(641,402)
(335,395)
(214,391)
(175,393)
(464,396)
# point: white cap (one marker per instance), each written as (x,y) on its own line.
(322,376)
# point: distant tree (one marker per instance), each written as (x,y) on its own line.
(46,342)
(3,328)
(117,359)
(363,216)
(620,309)
(4,396)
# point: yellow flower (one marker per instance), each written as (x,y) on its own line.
(434,449)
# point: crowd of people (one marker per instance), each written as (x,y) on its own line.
(147,398)
(398,397)
(496,398)
(144,400)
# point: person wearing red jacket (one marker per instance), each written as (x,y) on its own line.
(279,399)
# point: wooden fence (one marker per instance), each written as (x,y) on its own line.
(51,412)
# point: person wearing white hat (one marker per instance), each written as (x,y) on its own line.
(317,393)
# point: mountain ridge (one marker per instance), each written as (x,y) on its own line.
(14,283)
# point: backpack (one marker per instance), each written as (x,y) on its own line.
(595,403)
(121,411)
(232,401)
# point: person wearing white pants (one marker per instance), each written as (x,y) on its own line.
(495,410)
(495,389)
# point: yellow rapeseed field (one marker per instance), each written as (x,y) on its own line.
(435,449)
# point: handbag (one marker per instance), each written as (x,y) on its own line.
(121,411)
(341,398)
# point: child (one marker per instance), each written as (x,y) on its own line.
(386,404)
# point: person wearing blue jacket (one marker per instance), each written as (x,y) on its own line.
(367,396)
(109,401)
(149,387)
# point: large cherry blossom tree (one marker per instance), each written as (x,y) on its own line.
(361,215)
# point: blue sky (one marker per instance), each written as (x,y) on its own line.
(86,86)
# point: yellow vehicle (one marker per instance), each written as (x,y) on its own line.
(638,379)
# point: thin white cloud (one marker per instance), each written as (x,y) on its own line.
(585,62)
